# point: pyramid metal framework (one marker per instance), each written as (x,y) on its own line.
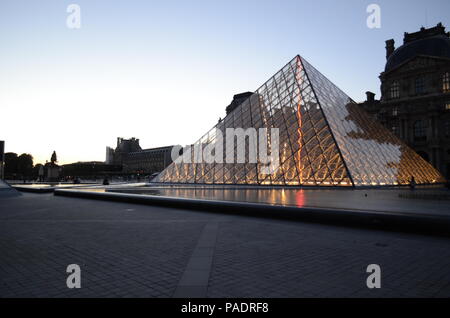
(325,139)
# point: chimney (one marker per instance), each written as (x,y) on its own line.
(390,47)
(370,97)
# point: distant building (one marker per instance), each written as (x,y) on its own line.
(147,160)
(89,169)
(109,155)
(124,146)
(415,94)
(237,100)
(134,159)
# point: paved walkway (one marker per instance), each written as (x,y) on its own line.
(127,250)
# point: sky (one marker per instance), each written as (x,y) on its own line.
(164,71)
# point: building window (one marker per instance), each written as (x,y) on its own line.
(395,129)
(447,106)
(446,82)
(419,130)
(395,111)
(447,128)
(381,116)
(395,90)
(419,85)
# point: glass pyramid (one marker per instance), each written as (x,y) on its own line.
(325,139)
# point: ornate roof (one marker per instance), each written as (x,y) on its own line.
(435,45)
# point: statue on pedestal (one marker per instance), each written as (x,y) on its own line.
(52,169)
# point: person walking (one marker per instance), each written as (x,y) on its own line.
(412,183)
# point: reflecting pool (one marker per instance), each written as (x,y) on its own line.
(398,200)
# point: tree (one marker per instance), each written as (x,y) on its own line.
(11,161)
(54,159)
(25,165)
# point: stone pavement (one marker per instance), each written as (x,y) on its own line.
(129,250)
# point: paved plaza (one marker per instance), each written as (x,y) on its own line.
(130,250)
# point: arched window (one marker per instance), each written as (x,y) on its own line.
(419,130)
(395,90)
(446,82)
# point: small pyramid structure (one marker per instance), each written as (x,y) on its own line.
(325,139)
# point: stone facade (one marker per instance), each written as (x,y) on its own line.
(147,160)
(135,160)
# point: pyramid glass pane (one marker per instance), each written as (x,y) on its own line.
(325,139)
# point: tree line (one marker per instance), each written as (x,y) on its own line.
(20,167)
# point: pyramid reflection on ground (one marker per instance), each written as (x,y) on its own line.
(325,139)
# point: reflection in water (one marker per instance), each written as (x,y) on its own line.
(300,198)
(294,197)
(271,196)
(369,199)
